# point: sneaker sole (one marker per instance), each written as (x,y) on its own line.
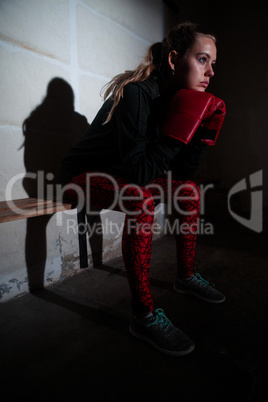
(188,292)
(165,351)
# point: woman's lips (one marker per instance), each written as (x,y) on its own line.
(204,84)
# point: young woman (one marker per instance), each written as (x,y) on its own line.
(145,143)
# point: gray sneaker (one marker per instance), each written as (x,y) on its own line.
(158,330)
(200,288)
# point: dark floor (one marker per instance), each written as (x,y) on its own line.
(71,341)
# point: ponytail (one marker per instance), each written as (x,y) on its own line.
(116,86)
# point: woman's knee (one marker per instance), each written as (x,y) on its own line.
(187,196)
(135,200)
(193,190)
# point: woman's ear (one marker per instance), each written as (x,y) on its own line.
(172,57)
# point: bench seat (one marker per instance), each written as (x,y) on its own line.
(29,208)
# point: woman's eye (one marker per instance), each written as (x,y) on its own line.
(202,60)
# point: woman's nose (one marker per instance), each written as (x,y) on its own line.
(209,71)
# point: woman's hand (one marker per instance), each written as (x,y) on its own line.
(212,122)
(187,110)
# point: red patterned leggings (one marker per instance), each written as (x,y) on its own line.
(112,192)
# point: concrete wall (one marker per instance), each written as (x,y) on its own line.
(85,43)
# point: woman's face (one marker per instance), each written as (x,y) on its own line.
(195,69)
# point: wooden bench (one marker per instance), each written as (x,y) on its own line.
(32,207)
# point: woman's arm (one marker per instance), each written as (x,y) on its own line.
(143,159)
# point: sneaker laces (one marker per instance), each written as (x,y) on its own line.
(204,282)
(160,318)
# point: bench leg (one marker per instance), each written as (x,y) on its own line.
(82,238)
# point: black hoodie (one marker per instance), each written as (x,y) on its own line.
(130,145)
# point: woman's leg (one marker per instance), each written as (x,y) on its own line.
(185,198)
(185,203)
(137,203)
(136,252)
(189,219)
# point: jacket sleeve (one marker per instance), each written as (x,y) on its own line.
(144,159)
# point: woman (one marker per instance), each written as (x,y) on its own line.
(123,160)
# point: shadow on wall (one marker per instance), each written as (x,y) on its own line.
(50,131)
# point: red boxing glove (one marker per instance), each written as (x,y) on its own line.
(187,110)
(211,123)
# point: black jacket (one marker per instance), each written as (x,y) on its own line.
(129,145)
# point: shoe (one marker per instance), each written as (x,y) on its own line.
(200,288)
(158,331)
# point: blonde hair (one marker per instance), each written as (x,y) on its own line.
(180,38)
